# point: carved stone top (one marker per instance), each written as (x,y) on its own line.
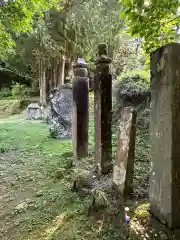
(103,60)
(103,57)
(80,68)
(102,49)
(81,63)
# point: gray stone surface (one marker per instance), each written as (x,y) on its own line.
(60,112)
(34,111)
(164,192)
(124,165)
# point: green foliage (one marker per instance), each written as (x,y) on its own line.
(156,22)
(141,74)
(128,55)
(132,89)
(136,81)
(16,17)
(99,197)
(5,92)
(11,107)
(19,106)
(96,22)
(20,91)
(76,28)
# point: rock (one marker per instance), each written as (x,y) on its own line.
(22,207)
(34,111)
(39,193)
(60,112)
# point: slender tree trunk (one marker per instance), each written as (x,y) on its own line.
(58,70)
(40,81)
(69,69)
(54,73)
(34,86)
(51,76)
(42,84)
(61,71)
(48,87)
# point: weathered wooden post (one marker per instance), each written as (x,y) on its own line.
(165,135)
(80,118)
(103,111)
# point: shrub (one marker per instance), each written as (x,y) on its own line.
(132,85)
(141,74)
(20,91)
(19,106)
(132,89)
(5,92)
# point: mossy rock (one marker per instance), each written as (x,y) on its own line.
(142,214)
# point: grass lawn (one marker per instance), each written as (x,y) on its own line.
(36,202)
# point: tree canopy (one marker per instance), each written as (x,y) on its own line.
(16,17)
(157,22)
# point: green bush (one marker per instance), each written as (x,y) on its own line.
(5,92)
(19,106)
(20,91)
(133,84)
(145,75)
(132,89)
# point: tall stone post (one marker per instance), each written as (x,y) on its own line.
(165,135)
(103,111)
(124,166)
(80,118)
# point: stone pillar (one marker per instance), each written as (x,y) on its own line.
(165,135)
(103,111)
(124,166)
(80,118)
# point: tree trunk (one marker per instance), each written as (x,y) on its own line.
(69,69)
(54,65)
(34,85)
(42,84)
(48,82)
(51,76)
(61,71)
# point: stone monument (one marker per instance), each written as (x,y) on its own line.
(80,118)
(103,111)
(164,191)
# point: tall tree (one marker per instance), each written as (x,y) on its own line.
(96,22)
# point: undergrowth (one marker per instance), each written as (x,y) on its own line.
(10,107)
